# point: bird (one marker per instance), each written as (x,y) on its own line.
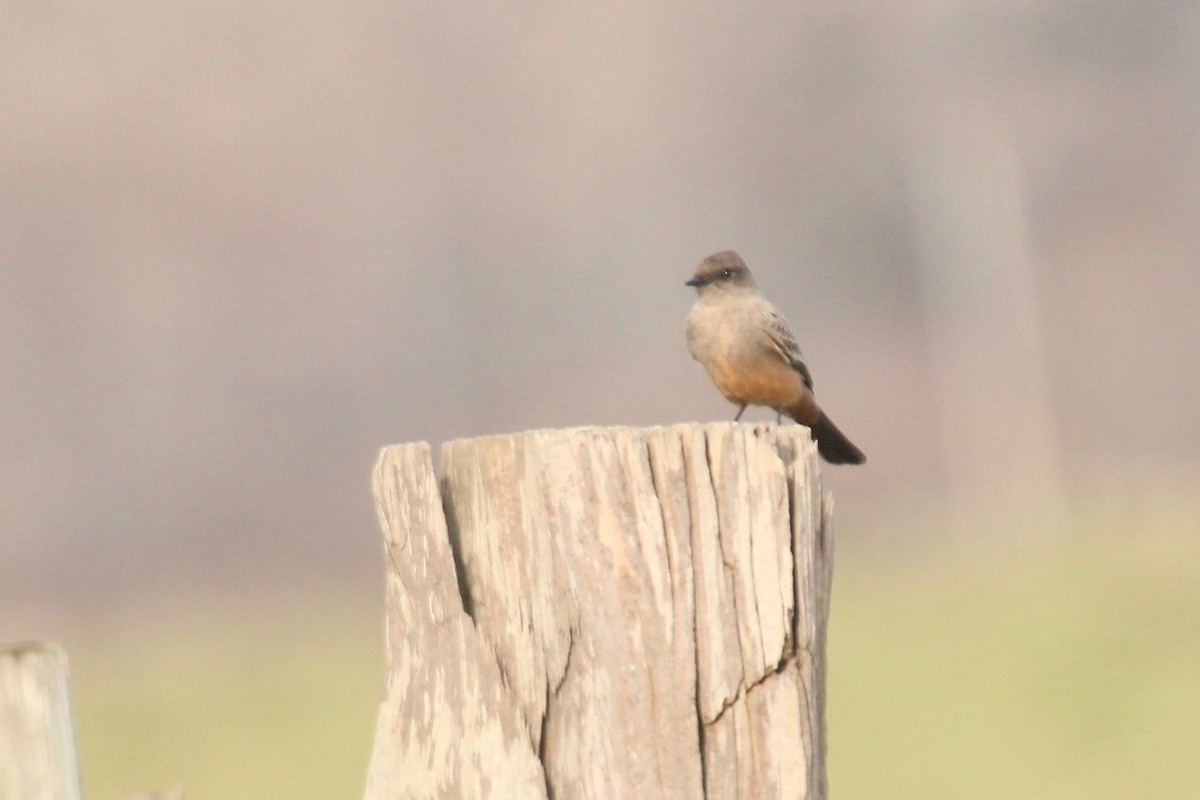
(747,349)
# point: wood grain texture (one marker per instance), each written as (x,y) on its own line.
(38,759)
(448,727)
(605,613)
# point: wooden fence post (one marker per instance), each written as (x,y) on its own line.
(605,613)
(38,759)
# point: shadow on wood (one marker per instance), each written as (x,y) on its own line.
(647,616)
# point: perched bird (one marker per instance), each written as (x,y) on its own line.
(750,354)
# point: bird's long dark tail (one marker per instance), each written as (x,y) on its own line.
(833,445)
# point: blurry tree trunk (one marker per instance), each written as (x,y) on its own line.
(37,737)
(988,375)
(606,613)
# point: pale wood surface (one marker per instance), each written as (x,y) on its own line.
(605,613)
(37,738)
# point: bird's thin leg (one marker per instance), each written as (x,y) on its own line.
(778,416)
(739,414)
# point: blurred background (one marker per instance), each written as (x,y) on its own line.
(244,245)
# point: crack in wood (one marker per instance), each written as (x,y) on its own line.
(744,689)
(551,695)
(454,534)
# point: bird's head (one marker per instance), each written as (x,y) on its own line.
(722,272)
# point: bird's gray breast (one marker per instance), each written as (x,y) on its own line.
(728,331)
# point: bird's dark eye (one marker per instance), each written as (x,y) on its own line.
(726,274)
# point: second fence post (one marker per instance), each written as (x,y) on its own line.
(37,734)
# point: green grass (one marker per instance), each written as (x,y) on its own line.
(1067,674)
(1073,674)
(252,706)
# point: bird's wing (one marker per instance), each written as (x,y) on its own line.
(781,341)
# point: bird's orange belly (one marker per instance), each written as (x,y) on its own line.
(762,384)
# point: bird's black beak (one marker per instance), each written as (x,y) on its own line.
(694,282)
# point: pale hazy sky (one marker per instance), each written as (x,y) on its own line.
(243,246)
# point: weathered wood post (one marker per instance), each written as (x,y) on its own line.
(38,759)
(605,613)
